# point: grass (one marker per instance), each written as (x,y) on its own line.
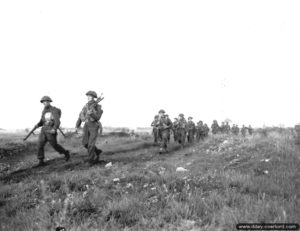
(229,180)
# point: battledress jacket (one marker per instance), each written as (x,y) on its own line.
(50,118)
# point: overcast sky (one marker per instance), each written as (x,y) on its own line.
(206,59)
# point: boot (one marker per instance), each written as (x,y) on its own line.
(41,163)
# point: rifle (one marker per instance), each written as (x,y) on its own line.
(59,129)
(98,100)
(29,134)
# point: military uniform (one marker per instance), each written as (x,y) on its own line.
(181,130)
(154,126)
(206,130)
(200,131)
(50,122)
(174,129)
(215,127)
(90,115)
(191,130)
(164,126)
(243,131)
(250,130)
(227,128)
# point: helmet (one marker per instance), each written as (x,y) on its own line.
(92,93)
(46,98)
(161,111)
(181,115)
(190,118)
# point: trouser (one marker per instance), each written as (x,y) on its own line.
(164,138)
(190,136)
(90,134)
(155,135)
(199,136)
(181,135)
(45,137)
(174,134)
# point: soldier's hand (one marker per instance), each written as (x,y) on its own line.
(89,112)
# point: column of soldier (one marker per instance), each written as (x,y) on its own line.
(183,130)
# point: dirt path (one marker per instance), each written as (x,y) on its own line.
(23,167)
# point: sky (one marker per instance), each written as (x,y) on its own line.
(207,59)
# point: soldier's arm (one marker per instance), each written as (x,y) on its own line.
(96,114)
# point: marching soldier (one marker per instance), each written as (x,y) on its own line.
(243,130)
(154,126)
(215,128)
(50,122)
(90,115)
(227,128)
(169,136)
(223,128)
(164,127)
(200,132)
(175,129)
(206,130)
(181,130)
(250,130)
(191,130)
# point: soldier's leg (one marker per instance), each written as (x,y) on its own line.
(92,150)
(163,144)
(52,138)
(85,137)
(41,144)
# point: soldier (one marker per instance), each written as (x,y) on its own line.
(175,128)
(223,128)
(243,130)
(169,135)
(215,128)
(90,115)
(191,130)
(206,130)
(181,130)
(200,131)
(233,129)
(227,128)
(50,122)
(154,125)
(164,126)
(250,130)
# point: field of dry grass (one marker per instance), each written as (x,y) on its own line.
(225,180)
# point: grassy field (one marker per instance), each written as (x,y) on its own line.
(226,180)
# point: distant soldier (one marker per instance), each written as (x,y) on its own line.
(215,128)
(182,129)
(206,130)
(154,126)
(191,130)
(243,131)
(169,135)
(227,128)
(200,131)
(250,130)
(175,128)
(223,128)
(164,127)
(50,122)
(90,114)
